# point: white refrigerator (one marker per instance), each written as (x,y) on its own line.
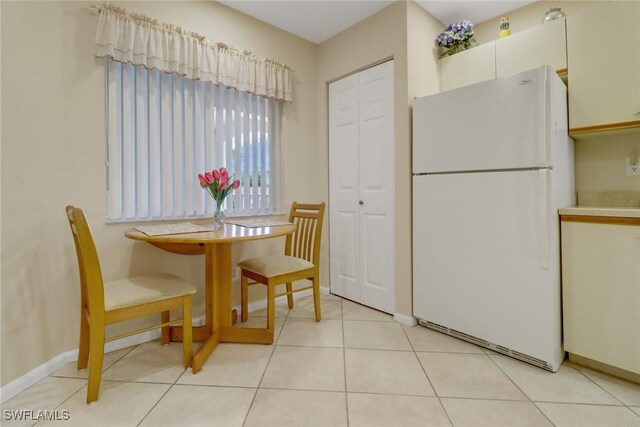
(492,163)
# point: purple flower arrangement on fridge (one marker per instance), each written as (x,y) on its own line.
(457,37)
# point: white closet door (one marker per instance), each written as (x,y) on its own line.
(361,211)
(344,210)
(376,151)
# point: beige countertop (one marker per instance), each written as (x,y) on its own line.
(601,211)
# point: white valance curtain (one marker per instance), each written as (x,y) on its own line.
(136,39)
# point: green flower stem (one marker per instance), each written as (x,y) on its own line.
(217,194)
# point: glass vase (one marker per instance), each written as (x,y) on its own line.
(218,215)
(553,14)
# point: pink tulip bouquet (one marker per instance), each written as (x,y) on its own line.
(218,184)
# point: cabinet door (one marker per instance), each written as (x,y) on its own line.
(601,292)
(604,62)
(471,66)
(545,44)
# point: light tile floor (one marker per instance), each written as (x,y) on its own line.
(357,367)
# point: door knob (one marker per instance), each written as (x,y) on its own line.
(360,202)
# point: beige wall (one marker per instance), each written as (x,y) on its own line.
(527,17)
(599,160)
(381,36)
(53,153)
(423,76)
(600,163)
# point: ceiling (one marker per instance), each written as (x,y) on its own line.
(318,20)
(313,20)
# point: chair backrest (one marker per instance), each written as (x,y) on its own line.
(305,241)
(91,285)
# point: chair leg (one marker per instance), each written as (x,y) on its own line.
(244,295)
(316,297)
(187,332)
(271,309)
(96,354)
(83,348)
(166,331)
(290,294)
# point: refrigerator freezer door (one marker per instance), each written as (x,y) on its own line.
(485,258)
(497,124)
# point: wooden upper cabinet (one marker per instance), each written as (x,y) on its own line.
(545,44)
(604,60)
(468,67)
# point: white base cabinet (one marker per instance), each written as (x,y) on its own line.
(601,292)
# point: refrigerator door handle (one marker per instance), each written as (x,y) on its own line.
(544,204)
(543,111)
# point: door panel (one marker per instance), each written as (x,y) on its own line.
(505,129)
(344,188)
(376,150)
(374,271)
(486,258)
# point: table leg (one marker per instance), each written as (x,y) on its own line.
(220,317)
(223,280)
(213,267)
(228,333)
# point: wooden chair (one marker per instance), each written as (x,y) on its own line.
(301,260)
(104,303)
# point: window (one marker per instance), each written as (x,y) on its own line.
(162,130)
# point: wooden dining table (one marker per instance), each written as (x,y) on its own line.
(219,317)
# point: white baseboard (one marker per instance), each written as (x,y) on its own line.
(27,380)
(405,320)
(41,372)
(30,378)
(325,290)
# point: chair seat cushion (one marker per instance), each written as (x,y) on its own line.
(275,265)
(144,289)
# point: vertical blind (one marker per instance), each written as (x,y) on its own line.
(162,130)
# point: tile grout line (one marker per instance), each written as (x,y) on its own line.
(631,409)
(518,387)
(53,375)
(165,393)
(598,385)
(275,344)
(604,405)
(86,379)
(426,376)
(344,364)
(351,348)
(122,357)
(161,397)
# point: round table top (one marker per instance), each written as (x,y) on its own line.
(225,234)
